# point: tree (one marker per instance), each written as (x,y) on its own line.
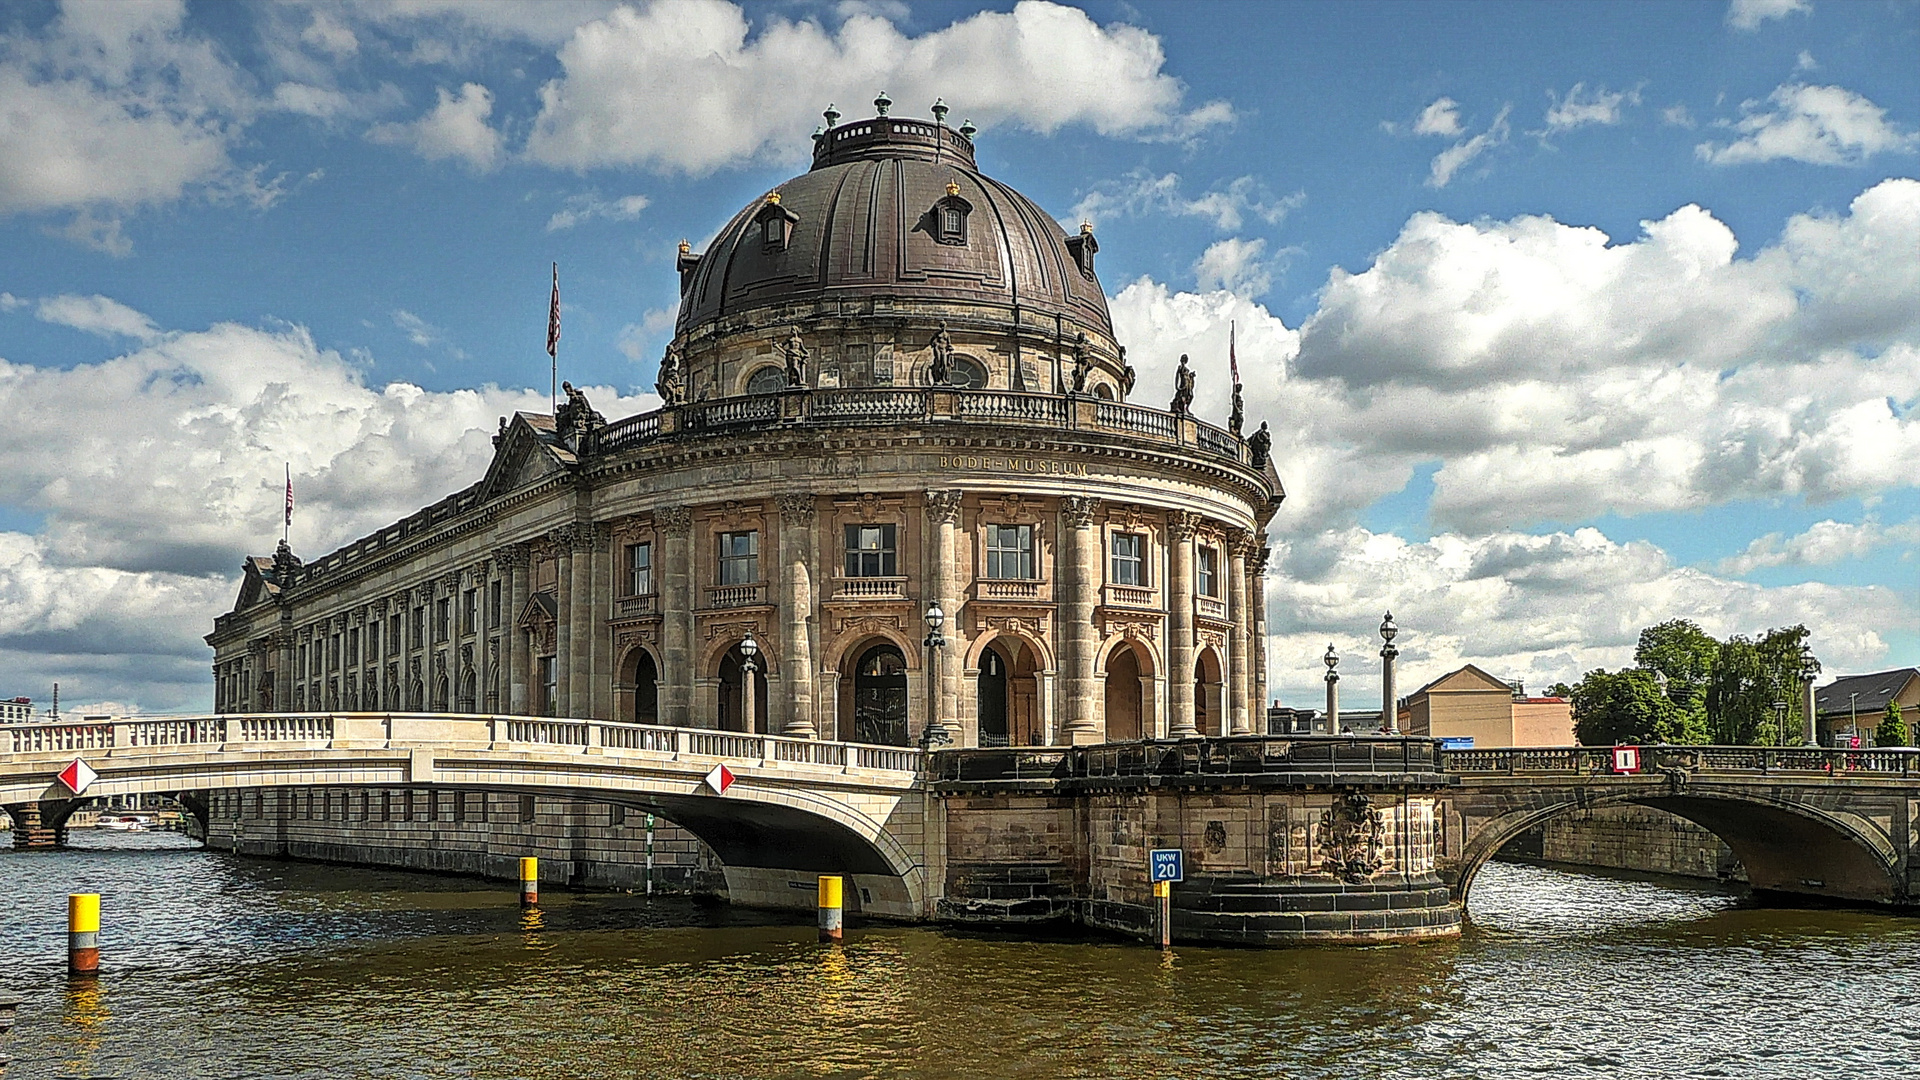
(1626,706)
(1892,730)
(1685,655)
(1748,677)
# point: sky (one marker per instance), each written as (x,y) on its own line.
(1568,318)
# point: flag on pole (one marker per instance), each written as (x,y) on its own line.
(289,499)
(1233,362)
(553,317)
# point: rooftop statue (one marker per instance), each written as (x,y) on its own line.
(1081,364)
(672,383)
(1259,446)
(796,354)
(1182,390)
(942,366)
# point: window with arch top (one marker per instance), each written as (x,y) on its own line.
(767,380)
(950,216)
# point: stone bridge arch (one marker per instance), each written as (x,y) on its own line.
(1792,847)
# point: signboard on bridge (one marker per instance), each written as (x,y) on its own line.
(1164,864)
(1456,742)
(1626,759)
(78,775)
(720,779)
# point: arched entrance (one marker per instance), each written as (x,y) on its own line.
(991,699)
(732,706)
(880,696)
(1209,712)
(644,676)
(1124,705)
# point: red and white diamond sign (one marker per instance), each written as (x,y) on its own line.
(720,779)
(77,775)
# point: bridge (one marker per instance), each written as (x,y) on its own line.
(796,806)
(1287,839)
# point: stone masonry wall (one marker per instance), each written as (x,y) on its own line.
(1635,838)
(580,843)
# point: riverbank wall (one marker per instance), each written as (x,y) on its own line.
(1628,838)
(580,843)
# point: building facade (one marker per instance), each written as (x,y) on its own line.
(893,387)
(1469,704)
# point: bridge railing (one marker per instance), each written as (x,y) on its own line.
(403,730)
(1243,755)
(1598,760)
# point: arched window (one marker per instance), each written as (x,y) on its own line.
(968,372)
(949,224)
(646,690)
(768,380)
(774,223)
(880,697)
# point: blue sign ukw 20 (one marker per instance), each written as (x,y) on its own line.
(1164,864)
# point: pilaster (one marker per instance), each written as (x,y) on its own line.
(1239,542)
(675,526)
(1082,550)
(1180,705)
(796,603)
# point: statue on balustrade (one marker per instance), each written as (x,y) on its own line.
(939,371)
(672,383)
(1127,374)
(1259,446)
(1081,364)
(1238,416)
(796,353)
(1182,390)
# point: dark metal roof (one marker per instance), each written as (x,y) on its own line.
(1874,691)
(863,227)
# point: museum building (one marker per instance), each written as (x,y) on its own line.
(897,493)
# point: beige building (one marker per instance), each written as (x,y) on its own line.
(1856,704)
(1471,704)
(893,387)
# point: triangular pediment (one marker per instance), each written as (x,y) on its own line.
(254,586)
(541,610)
(524,454)
(1469,679)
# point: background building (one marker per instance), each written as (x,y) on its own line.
(893,387)
(1471,704)
(1857,703)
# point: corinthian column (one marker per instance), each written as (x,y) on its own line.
(513,562)
(675,526)
(1257,597)
(576,653)
(1082,551)
(598,607)
(943,515)
(1180,719)
(1238,544)
(562,541)
(796,602)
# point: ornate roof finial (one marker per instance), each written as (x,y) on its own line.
(819,133)
(685,247)
(773,198)
(882,103)
(939,110)
(1086,227)
(953,187)
(832,114)
(967,129)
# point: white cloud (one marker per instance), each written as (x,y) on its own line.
(1820,125)
(1440,118)
(114,107)
(579,208)
(1539,607)
(644,340)
(637,81)
(456,127)
(1823,544)
(1676,116)
(1456,157)
(1235,265)
(1806,62)
(97,315)
(1141,194)
(10,302)
(330,35)
(1749,14)
(1582,107)
(319,102)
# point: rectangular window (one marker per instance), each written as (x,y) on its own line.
(640,563)
(442,617)
(419,626)
(1207,571)
(1129,559)
(493,604)
(333,653)
(302,666)
(469,611)
(739,558)
(373,641)
(872,551)
(1010,551)
(549,686)
(353,648)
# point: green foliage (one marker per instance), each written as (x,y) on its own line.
(1892,731)
(1627,707)
(1748,676)
(1685,655)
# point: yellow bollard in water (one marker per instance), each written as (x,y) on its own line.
(529,881)
(83,934)
(830,921)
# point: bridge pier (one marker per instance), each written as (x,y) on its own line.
(40,825)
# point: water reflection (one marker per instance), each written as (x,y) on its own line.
(384,974)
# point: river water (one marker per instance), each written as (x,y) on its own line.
(217,966)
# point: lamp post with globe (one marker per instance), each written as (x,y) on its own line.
(1389,714)
(1333,690)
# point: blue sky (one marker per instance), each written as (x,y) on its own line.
(1570,318)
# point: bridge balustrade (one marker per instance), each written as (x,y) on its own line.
(1598,760)
(1230,756)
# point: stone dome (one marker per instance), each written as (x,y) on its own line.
(894,210)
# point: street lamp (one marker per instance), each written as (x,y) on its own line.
(1389,714)
(1809,667)
(935,733)
(749,648)
(1780,723)
(1333,690)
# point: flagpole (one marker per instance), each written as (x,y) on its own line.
(553,345)
(286,536)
